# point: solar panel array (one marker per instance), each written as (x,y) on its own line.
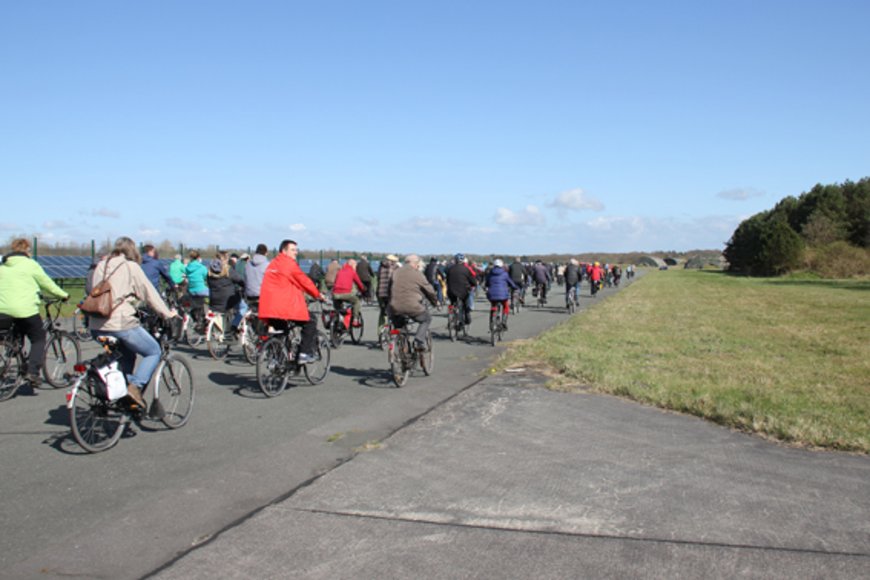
(66,267)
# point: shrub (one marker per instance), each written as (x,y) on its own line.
(839,260)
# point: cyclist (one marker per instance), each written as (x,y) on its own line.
(345,280)
(155,269)
(331,271)
(365,273)
(176,272)
(408,289)
(129,285)
(595,275)
(572,281)
(224,284)
(254,271)
(385,274)
(518,274)
(498,287)
(460,285)
(21,280)
(197,287)
(282,297)
(541,276)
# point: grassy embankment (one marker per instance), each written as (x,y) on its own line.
(785,358)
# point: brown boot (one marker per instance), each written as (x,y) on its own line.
(135,393)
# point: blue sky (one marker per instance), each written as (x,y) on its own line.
(430,127)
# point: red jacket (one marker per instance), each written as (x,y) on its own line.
(345,279)
(281,295)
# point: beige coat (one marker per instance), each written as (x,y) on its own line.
(129,286)
(408,288)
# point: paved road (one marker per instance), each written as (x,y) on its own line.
(510,480)
(127,511)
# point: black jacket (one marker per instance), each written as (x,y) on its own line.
(460,280)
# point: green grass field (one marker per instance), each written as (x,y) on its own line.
(785,358)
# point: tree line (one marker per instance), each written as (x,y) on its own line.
(779,240)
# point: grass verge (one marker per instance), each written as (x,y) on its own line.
(784,358)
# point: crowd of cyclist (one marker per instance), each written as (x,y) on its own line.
(280,291)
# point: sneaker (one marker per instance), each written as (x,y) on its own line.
(34,380)
(305,358)
(356,324)
(135,393)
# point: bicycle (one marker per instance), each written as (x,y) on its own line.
(384,335)
(540,288)
(402,354)
(62,348)
(277,361)
(571,299)
(80,324)
(191,332)
(517,297)
(497,324)
(248,336)
(100,410)
(456,320)
(62,353)
(340,322)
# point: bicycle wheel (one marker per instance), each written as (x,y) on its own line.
(272,372)
(249,342)
(494,323)
(62,354)
(80,326)
(452,331)
(336,332)
(192,336)
(217,339)
(11,369)
(96,423)
(427,357)
(317,370)
(399,369)
(174,388)
(356,332)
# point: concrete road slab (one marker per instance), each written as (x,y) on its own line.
(510,480)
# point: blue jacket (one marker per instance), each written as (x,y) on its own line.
(154,269)
(498,283)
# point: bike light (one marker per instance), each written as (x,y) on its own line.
(68,396)
(395,331)
(80,368)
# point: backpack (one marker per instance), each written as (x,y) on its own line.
(100,301)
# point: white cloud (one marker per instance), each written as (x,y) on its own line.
(576,199)
(56,225)
(530,216)
(740,193)
(297,228)
(105,212)
(150,233)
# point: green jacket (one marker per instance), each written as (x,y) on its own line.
(21,280)
(176,271)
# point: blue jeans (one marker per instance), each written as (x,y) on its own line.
(241,309)
(136,341)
